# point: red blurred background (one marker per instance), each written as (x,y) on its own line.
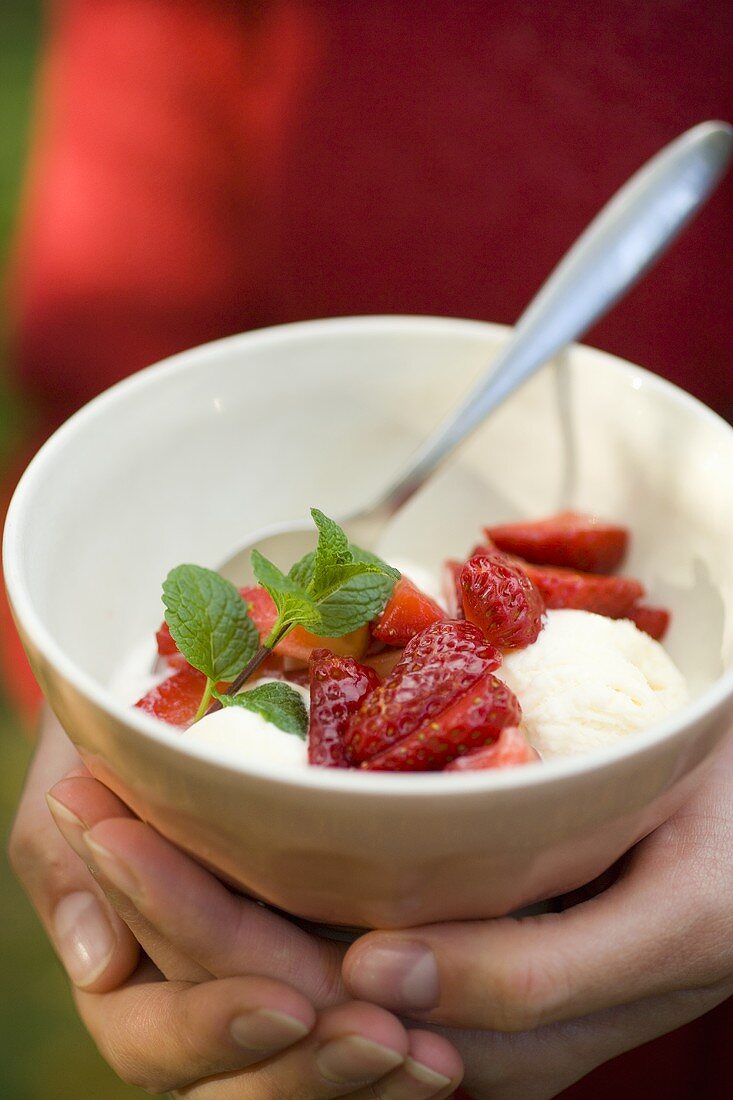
(203,167)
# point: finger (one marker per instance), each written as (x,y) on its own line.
(224,933)
(353,1045)
(79,803)
(514,975)
(432,1070)
(95,946)
(199,1029)
(540,1064)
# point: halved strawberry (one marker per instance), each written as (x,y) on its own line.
(168,650)
(437,666)
(299,643)
(408,611)
(571,539)
(652,620)
(338,685)
(476,717)
(567,588)
(176,699)
(511,748)
(499,597)
(166,646)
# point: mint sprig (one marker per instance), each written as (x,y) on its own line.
(209,623)
(275,702)
(332,591)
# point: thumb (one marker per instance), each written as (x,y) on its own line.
(95,946)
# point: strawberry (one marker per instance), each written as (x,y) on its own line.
(166,646)
(570,539)
(452,588)
(407,612)
(338,685)
(176,699)
(477,716)
(612,596)
(437,666)
(168,650)
(300,643)
(511,748)
(652,620)
(499,597)
(261,607)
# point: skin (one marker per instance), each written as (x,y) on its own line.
(531,1005)
(196,968)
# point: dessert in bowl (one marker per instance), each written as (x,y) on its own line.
(552,653)
(179,462)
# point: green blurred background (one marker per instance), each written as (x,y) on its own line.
(45,1054)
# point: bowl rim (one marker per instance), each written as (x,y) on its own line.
(352,781)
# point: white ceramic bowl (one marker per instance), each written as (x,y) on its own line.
(179,462)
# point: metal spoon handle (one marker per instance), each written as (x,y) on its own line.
(622,241)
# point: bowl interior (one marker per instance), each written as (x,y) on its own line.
(181,461)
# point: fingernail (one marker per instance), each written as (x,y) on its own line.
(266,1029)
(83,935)
(418,1083)
(396,975)
(113,868)
(353,1060)
(62,814)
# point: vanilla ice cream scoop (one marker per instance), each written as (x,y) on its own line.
(589,681)
(237,736)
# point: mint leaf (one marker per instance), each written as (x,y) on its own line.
(272,578)
(276,702)
(388,573)
(208,621)
(331,591)
(331,556)
(289,598)
(302,572)
(356,602)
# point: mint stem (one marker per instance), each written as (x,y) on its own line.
(251,667)
(205,699)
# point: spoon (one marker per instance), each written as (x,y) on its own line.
(632,230)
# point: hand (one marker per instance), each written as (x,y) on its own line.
(186,1019)
(549,998)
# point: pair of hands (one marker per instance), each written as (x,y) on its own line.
(228,1000)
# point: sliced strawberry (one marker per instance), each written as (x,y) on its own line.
(570,539)
(476,717)
(300,643)
(176,699)
(338,686)
(261,606)
(612,596)
(499,597)
(511,748)
(166,646)
(452,592)
(408,611)
(436,667)
(652,620)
